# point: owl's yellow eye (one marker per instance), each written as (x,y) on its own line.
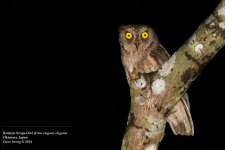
(129,35)
(144,35)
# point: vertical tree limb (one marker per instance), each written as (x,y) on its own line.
(147,118)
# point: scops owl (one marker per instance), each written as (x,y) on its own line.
(143,53)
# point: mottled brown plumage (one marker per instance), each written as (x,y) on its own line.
(145,55)
(141,55)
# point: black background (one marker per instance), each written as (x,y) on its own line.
(74,64)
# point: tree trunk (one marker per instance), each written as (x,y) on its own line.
(146,122)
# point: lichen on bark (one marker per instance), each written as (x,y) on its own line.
(147,120)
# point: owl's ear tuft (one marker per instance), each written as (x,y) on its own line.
(121,28)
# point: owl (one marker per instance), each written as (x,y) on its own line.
(142,53)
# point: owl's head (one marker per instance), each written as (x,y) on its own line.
(137,42)
(134,38)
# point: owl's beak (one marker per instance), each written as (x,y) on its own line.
(136,44)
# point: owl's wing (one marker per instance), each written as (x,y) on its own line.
(180,119)
(128,77)
(159,54)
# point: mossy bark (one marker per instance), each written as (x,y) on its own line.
(147,120)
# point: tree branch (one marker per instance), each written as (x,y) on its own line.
(147,118)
